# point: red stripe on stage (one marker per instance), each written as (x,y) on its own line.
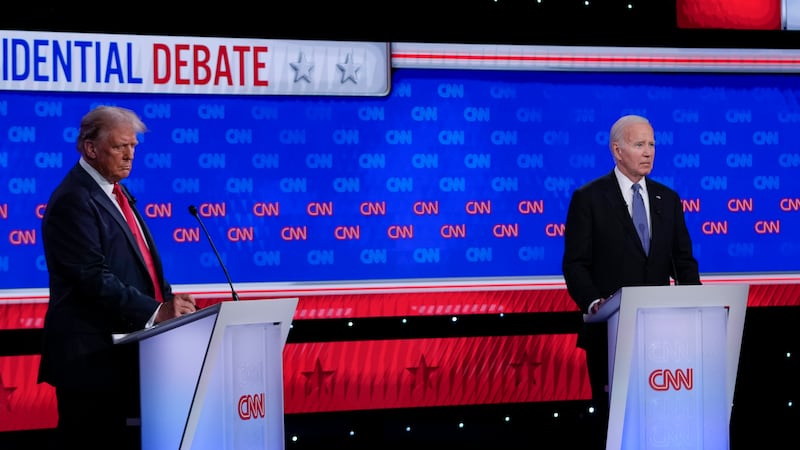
(410,373)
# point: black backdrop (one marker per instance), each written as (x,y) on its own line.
(535,22)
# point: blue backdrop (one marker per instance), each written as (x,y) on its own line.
(457,173)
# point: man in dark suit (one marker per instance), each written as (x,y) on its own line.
(99,285)
(603,251)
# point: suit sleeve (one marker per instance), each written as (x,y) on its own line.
(90,261)
(578,251)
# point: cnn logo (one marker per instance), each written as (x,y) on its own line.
(251,407)
(666,379)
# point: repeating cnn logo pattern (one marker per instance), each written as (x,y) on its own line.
(464,174)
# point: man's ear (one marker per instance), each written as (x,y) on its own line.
(89,150)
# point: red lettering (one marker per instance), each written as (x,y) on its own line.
(664,379)
(223,67)
(161,49)
(251,406)
(241,50)
(243,408)
(186,64)
(179,63)
(201,58)
(258,64)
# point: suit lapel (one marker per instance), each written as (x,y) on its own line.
(617,207)
(616,204)
(100,197)
(103,200)
(656,199)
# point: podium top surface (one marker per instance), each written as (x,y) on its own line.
(167,325)
(275,310)
(673,296)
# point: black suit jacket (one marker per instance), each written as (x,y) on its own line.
(603,253)
(99,285)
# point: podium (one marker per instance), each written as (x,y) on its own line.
(214,379)
(673,355)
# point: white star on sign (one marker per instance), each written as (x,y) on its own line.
(302,69)
(349,70)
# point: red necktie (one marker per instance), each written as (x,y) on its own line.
(134,226)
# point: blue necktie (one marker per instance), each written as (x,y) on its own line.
(640,218)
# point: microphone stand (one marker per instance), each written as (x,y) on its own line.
(193,211)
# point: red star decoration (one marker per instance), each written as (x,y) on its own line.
(316,378)
(5,395)
(422,372)
(525,362)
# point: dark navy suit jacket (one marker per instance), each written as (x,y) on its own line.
(603,253)
(99,285)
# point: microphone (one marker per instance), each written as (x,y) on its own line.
(674,271)
(193,211)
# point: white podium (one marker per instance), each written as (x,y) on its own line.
(214,379)
(673,355)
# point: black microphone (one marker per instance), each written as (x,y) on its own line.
(674,271)
(193,211)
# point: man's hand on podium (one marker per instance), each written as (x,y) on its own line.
(180,305)
(596,305)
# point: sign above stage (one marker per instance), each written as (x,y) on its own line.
(77,62)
